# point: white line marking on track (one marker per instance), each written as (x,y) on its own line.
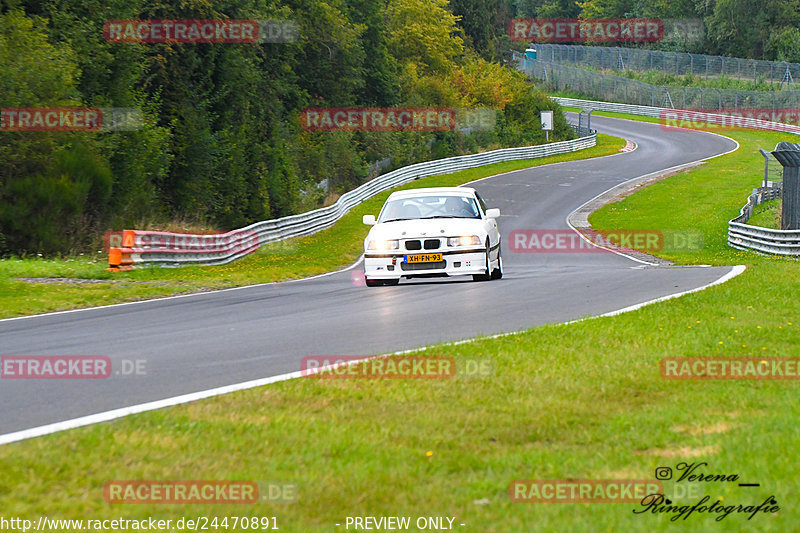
(345,269)
(664,171)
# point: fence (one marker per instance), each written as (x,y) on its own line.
(773,171)
(680,63)
(582,130)
(170,249)
(619,89)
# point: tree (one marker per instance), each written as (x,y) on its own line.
(733,28)
(424,33)
(479,20)
(54,187)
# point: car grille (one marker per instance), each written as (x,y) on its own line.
(423,266)
(416,244)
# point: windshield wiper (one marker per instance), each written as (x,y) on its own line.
(452,216)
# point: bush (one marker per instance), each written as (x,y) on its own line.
(61,210)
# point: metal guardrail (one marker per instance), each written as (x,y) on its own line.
(657,112)
(642,110)
(743,236)
(172,249)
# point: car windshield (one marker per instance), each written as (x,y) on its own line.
(422,207)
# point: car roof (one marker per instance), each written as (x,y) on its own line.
(433,191)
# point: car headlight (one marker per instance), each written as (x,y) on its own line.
(471,240)
(383,245)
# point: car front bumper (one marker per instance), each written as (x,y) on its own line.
(454,263)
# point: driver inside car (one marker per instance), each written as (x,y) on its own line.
(457,207)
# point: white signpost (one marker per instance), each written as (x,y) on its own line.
(547,123)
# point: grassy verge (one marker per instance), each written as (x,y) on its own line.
(730,178)
(578,401)
(325,251)
(767,215)
(583,401)
(668,204)
(661,78)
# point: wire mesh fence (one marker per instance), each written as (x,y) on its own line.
(609,87)
(582,129)
(773,171)
(779,73)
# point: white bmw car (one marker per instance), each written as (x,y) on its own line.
(436,232)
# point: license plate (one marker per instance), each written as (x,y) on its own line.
(424,258)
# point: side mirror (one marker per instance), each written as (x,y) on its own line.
(369,220)
(493,213)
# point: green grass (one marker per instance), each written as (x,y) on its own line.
(725,181)
(325,251)
(668,204)
(661,78)
(767,215)
(582,401)
(577,401)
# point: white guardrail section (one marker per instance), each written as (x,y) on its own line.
(741,236)
(157,248)
(771,241)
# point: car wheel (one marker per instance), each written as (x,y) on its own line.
(497,273)
(486,276)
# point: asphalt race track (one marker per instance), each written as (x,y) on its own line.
(213,339)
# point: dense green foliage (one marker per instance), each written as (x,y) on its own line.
(754,29)
(221,144)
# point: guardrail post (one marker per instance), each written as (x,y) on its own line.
(788,155)
(766,165)
(588,121)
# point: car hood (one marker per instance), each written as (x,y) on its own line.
(430,228)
